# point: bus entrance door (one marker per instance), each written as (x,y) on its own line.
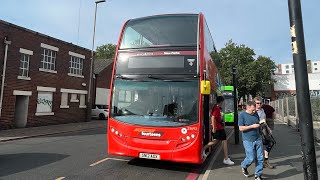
(206,120)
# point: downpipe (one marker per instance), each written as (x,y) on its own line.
(7,43)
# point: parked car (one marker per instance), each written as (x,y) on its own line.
(100,111)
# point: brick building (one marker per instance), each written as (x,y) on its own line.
(103,72)
(46,79)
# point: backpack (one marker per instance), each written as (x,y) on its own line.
(267,138)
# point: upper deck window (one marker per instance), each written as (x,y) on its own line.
(159,31)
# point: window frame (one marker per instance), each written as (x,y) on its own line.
(48,60)
(25,56)
(75,67)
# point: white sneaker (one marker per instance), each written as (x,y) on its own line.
(228,161)
(204,155)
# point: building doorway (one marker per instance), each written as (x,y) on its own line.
(21,111)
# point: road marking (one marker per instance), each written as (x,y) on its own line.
(192,176)
(60,178)
(105,159)
(217,152)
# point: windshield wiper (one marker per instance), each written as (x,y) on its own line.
(123,77)
(154,77)
(167,78)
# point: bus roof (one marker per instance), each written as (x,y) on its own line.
(162,15)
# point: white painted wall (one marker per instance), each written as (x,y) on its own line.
(102,96)
(286,82)
(287,68)
(315,66)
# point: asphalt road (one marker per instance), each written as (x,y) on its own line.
(81,155)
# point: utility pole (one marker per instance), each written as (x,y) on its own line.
(89,99)
(235,105)
(302,88)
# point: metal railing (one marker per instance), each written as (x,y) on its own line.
(286,111)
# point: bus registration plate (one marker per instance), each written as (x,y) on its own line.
(149,156)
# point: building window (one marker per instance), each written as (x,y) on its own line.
(82,101)
(48,61)
(74,98)
(24,65)
(44,103)
(75,94)
(287,66)
(287,72)
(76,66)
(64,100)
(292,66)
(315,64)
(315,69)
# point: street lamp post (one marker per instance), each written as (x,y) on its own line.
(235,105)
(89,103)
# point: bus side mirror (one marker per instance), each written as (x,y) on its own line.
(205,87)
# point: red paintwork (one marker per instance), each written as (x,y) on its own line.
(170,145)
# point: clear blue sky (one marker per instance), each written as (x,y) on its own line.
(261,25)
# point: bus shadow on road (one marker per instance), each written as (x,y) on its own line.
(167,165)
(15,163)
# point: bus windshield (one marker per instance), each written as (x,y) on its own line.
(155,102)
(157,31)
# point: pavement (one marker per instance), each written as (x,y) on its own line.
(22,133)
(286,156)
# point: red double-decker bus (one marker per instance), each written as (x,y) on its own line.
(164,83)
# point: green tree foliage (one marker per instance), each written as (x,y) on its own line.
(106,51)
(252,74)
(263,67)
